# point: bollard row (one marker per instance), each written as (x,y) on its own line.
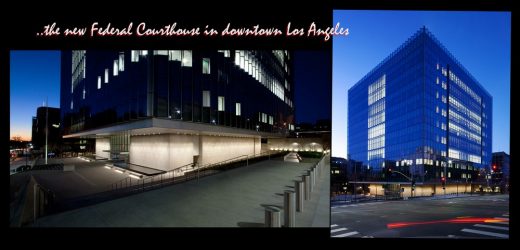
(294,200)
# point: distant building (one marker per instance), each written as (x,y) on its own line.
(500,169)
(46,117)
(338,175)
(306,137)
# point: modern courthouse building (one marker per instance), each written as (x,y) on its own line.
(419,116)
(168,108)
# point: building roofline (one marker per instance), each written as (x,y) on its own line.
(422,30)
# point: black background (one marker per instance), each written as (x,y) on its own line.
(22,20)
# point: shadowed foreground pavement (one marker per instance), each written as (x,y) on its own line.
(233,198)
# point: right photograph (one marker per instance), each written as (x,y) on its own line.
(421,124)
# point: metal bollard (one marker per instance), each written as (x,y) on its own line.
(272,217)
(298,186)
(289,208)
(311,179)
(307,186)
(314,175)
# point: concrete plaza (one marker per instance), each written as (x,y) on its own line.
(234,198)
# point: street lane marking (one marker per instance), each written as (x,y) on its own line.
(333,225)
(502,218)
(506,215)
(346,234)
(485,233)
(338,212)
(338,230)
(492,227)
(500,222)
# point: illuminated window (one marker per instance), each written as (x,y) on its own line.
(271,121)
(227,53)
(186,58)
(221,103)
(83,93)
(116,67)
(242,59)
(160,52)
(99,82)
(134,56)
(122,61)
(71,104)
(449,174)
(174,55)
(106,75)
(238,110)
(205,66)
(206,99)
(237,58)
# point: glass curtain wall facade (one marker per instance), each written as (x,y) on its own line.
(419,112)
(250,90)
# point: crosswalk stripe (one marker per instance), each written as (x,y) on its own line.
(506,215)
(500,222)
(485,233)
(338,230)
(346,234)
(492,227)
(333,225)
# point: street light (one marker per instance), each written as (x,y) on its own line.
(410,179)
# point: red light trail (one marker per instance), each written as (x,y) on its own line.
(455,221)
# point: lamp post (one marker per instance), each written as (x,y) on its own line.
(412,182)
(46,128)
(446,175)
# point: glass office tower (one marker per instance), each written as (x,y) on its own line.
(421,113)
(174,104)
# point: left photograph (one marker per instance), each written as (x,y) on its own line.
(170,138)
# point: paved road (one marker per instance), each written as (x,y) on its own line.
(468,217)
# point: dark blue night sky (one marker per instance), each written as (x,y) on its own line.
(312,77)
(35,76)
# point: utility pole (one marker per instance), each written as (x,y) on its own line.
(46,127)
